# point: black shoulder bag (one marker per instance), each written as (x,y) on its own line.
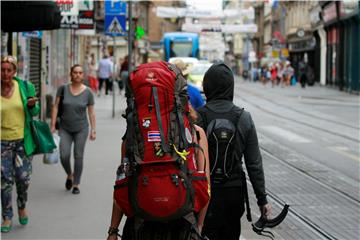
(60,108)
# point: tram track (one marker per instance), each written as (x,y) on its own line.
(302,112)
(310,223)
(307,175)
(306,221)
(298,121)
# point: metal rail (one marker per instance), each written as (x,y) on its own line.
(305,220)
(301,112)
(323,184)
(297,121)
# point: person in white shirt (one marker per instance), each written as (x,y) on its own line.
(105,72)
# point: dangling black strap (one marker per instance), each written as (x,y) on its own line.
(183,144)
(246,198)
(164,146)
(130,128)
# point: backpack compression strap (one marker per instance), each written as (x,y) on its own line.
(130,128)
(183,144)
(164,146)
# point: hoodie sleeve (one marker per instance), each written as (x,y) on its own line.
(253,161)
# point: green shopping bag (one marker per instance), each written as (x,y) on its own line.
(42,137)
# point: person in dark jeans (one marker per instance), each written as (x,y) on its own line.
(226,206)
(124,73)
(105,72)
(303,73)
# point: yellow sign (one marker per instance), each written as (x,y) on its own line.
(275,54)
(285,52)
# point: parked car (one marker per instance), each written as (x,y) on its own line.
(187,60)
(196,75)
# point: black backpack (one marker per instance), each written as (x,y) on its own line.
(223,138)
(225,152)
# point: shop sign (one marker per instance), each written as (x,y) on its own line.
(86,15)
(68,7)
(307,44)
(285,52)
(329,12)
(86,20)
(86,5)
(69,21)
(349,8)
(315,15)
(32,34)
(69,13)
(275,54)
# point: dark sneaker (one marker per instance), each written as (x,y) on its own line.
(76,190)
(68,184)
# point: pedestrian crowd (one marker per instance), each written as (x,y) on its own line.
(181,175)
(283,74)
(105,73)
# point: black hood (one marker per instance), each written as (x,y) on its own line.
(219,83)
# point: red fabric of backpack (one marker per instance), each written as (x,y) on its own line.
(162,182)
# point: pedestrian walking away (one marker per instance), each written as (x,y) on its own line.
(74,100)
(93,81)
(105,72)
(231,134)
(288,73)
(124,73)
(163,182)
(18,106)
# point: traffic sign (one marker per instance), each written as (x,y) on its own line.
(115,25)
(115,7)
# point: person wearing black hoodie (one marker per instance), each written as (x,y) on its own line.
(228,197)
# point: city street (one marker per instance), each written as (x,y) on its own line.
(310,144)
(308,126)
(309,140)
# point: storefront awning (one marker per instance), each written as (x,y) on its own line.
(21,16)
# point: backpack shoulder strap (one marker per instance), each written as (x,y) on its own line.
(238,126)
(245,190)
(203,118)
(62,91)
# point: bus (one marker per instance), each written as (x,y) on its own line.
(180,44)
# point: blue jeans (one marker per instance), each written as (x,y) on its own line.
(15,167)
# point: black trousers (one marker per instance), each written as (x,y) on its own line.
(224,213)
(174,230)
(108,85)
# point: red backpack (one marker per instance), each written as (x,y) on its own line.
(162,180)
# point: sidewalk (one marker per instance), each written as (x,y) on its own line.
(58,214)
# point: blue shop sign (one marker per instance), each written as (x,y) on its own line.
(32,34)
(115,7)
